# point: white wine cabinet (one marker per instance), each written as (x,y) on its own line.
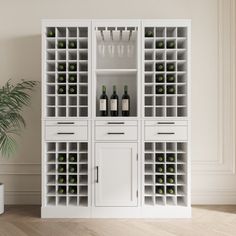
(116,119)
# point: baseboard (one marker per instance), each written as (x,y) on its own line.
(23,197)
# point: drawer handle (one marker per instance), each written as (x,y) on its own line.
(65,123)
(116,133)
(115,123)
(66,133)
(169,133)
(166,123)
(97,174)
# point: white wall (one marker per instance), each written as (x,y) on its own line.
(213,176)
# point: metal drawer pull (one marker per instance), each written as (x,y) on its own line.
(65,133)
(115,123)
(116,133)
(166,133)
(65,123)
(166,123)
(97,174)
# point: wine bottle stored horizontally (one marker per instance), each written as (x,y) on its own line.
(170,179)
(72,78)
(72,89)
(159,179)
(72,157)
(170,157)
(61,89)
(159,157)
(149,33)
(170,78)
(61,66)
(159,168)
(61,78)
(170,44)
(170,89)
(103,102)
(114,103)
(72,168)
(160,44)
(72,189)
(61,44)
(125,102)
(160,89)
(72,44)
(170,67)
(160,67)
(73,179)
(61,168)
(170,190)
(160,78)
(62,189)
(61,157)
(72,67)
(170,168)
(159,190)
(61,179)
(51,33)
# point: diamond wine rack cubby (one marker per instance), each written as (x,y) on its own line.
(165,71)
(116,121)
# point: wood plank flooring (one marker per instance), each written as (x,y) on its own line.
(206,221)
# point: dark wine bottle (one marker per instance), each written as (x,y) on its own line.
(61,89)
(170,78)
(170,44)
(72,89)
(170,89)
(72,168)
(159,190)
(159,168)
(73,44)
(103,102)
(61,44)
(61,168)
(170,190)
(72,78)
(61,78)
(160,89)
(159,179)
(114,103)
(159,157)
(149,33)
(72,66)
(73,179)
(160,67)
(170,169)
(72,189)
(170,67)
(72,157)
(61,179)
(62,157)
(170,157)
(160,78)
(61,67)
(160,44)
(62,189)
(125,102)
(51,33)
(170,179)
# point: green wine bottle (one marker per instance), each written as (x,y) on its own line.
(160,67)
(170,169)
(170,180)
(61,78)
(149,33)
(72,168)
(72,67)
(160,89)
(61,67)
(160,44)
(160,190)
(170,89)
(73,179)
(72,89)
(160,78)
(170,78)
(61,89)
(170,67)
(72,44)
(62,189)
(61,44)
(170,190)
(72,157)
(159,168)
(62,157)
(51,33)
(159,157)
(72,189)
(62,179)
(61,168)
(170,158)
(72,78)
(170,44)
(160,180)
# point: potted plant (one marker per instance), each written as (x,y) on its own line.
(13,98)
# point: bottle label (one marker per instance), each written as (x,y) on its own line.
(125,104)
(103,104)
(113,105)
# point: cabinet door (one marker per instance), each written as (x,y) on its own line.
(116,174)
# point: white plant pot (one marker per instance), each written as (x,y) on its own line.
(1,198)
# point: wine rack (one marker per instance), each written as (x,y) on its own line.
(165,71)
(67,54)
(165,168)
(67,174)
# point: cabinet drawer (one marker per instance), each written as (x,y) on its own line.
(166,123)
(116,133)
(116,123)
(166,133)
(66,123)
(66,132)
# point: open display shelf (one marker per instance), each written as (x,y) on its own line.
(67,72)
(165,71)
(67,174)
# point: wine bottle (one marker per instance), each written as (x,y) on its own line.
(160,67)
(72,44)
(170,67)
(160,44)
(72,168)
(170,89)
(72,157)
(170,169)
(61,168)
(62,157)
(72,189)
(114,103)
(159,157)
(170,78)
(61,44)
(125,102)
(149,33)
(61,67)
(160,78)
(62,189)
(61,89)
(72,78)
(170,158)
(159,168)
(170,44)
(51,33)
(72,67)
(73,179)
(170,190)
(103,102)
(61,78)
(72,89)
(170,180)
(61,179)
(160,89)
(160,179)
(159,190)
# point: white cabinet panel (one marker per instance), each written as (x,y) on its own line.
(116,174)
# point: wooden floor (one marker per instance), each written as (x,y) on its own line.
(206,221)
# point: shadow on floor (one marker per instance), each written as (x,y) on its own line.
(218,208)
